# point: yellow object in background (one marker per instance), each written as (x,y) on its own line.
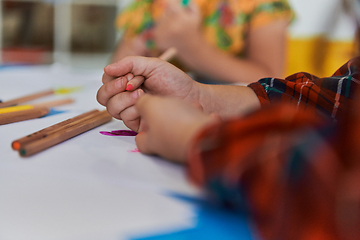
(322,37)
(318,55)
(67,90)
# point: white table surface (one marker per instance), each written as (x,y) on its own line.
(89,187)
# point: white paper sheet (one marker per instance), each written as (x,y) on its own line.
(89,187)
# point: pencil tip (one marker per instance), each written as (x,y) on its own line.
(64,90)
(15,145)
(22,152)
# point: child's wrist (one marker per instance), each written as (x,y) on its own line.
(204,97)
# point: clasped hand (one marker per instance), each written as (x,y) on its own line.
(166,124)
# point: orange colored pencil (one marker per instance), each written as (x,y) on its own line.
(17,144)
(27,98)
(64,134)
(23,115)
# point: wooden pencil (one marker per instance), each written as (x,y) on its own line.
(55,103)
(27,98)
(168,54)
(17,144)
(15,108)
(23,115)
(65,134)
(49,104)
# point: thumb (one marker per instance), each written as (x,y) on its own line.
(143,143)
(119,68)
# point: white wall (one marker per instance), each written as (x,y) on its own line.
(321,17)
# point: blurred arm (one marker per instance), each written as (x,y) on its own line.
(265,56)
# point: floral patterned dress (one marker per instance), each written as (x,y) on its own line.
(226,23)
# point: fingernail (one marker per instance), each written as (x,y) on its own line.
(119,83)
(129,77)
(135,94)
(129,87)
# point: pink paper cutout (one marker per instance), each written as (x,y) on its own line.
(119,133)
(134,151)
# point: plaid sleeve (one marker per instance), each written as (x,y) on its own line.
(281,168)
(292,172)
(326,96)
(245,166)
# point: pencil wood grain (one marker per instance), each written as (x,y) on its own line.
(23,115)
(27,98)
(17,144)
(55,103)
(65,134)
(168,54)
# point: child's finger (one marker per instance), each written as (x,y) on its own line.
(129,76)
(106,78)
(108,90)
(129,114)
(135,83)
(133,124)
(122,101)
(143,142)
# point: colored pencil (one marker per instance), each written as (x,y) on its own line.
(28,106)
(17,144)
(55,103)
(168,54)
(64,134)
(23,115)
(26,98)
(15,108)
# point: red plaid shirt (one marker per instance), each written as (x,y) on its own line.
(295,172)
(328,96)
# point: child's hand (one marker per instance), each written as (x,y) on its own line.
(135,82)
(169,126)
(177,26)
(160,78)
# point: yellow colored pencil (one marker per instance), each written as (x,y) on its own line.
(23,115)
(15,108)
(28,106)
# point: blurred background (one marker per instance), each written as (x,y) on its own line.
(322,37)
(74,32)
(82,33)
